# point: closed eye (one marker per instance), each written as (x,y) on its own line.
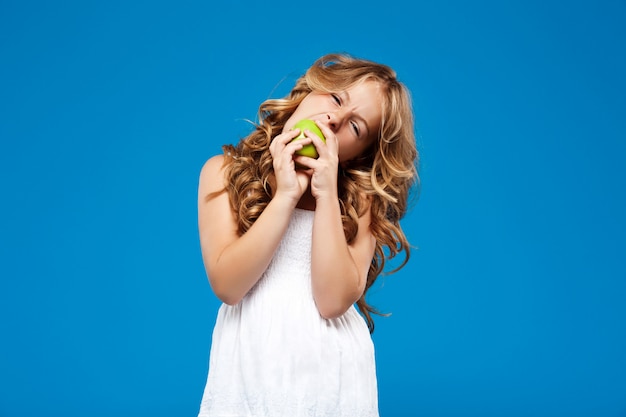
(337,99)
(355,126)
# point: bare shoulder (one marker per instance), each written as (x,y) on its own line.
(213,165)
(215,216)
(212,174)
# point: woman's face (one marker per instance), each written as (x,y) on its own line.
(354,115)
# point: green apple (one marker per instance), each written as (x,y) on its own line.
(308,150)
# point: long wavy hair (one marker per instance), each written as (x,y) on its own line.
(381,178)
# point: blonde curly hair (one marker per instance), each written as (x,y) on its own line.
(380,178)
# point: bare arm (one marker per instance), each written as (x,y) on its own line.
(339,271)
(235,263)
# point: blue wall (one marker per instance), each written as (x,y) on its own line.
(513,301)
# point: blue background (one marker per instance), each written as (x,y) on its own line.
(513,303)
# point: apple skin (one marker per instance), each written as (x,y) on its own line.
(308,150)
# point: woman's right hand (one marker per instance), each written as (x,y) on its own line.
(290,182)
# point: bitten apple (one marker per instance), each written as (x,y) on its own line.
(308,150)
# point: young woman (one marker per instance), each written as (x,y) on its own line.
(290,243)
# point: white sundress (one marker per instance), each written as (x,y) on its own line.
(273,355)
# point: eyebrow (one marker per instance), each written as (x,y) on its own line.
(358,116)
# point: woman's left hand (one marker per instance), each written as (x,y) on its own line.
(323,170)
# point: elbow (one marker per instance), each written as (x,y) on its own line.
(333,308)
(331,313)
(227,297)
(332,303)
(225,293)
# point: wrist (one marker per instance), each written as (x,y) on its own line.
(285,201)
(327,200)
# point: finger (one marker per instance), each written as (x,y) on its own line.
(297,144)
(287,136)
(329,146)
(282,140)
(316,140)
(305,161)
(306,173)
(329,135)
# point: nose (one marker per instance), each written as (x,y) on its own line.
(334,121)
